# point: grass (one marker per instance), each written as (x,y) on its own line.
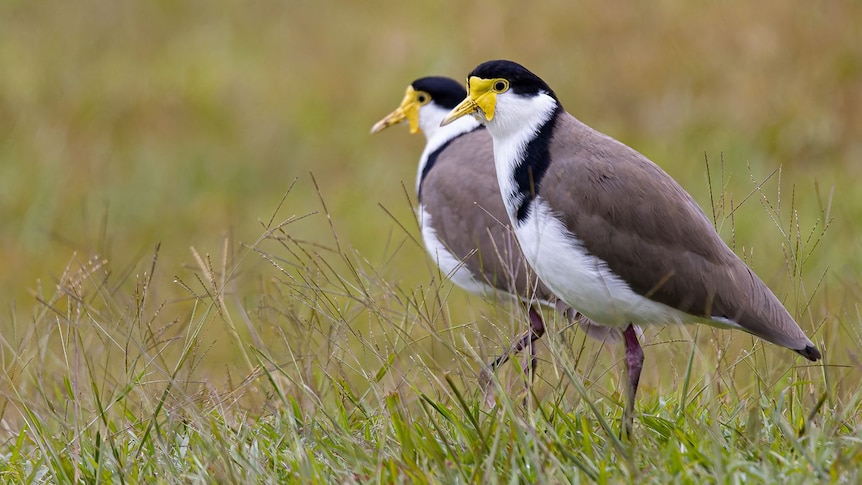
(346,377)
(167,317)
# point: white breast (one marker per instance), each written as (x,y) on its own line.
(584,281)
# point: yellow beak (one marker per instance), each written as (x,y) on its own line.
(409,110)
(482,98)
(464,108)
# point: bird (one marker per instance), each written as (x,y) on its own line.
(607,230)
(463,222)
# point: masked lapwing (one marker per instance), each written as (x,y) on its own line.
(607,230)
(461,214)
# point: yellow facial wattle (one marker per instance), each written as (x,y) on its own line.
(408,110)
(483,94)
(481,98)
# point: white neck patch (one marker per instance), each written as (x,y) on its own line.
(517,120)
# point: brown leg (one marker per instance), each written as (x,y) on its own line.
(537,329)
(634,364)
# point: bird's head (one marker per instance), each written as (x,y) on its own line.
(498,88)
(425,103)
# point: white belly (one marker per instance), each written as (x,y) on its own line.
(584,281)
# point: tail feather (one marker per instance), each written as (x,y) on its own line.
(763,315)
(810,352)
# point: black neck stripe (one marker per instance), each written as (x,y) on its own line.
(432,158)
(531,169)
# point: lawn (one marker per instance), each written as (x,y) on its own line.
(212,272)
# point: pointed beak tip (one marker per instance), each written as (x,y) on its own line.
(379,126)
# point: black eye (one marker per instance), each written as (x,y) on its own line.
(500,86)
(421,98)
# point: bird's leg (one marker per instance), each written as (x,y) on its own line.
(634,364)
(537,329)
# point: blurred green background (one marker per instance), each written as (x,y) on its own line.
(126,124)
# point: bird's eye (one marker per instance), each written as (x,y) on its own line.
(501,85)
(422,98)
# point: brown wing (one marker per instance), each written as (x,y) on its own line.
(631,214)
(463,198)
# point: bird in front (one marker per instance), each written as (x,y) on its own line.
(607,230)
